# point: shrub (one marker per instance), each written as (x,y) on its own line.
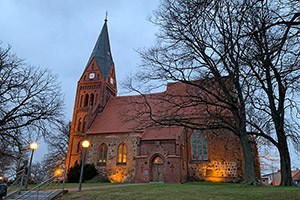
(89,172)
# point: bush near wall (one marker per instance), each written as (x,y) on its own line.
(88,173)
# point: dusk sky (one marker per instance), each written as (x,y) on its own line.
(60,35)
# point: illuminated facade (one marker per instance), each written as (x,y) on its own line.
(125,148)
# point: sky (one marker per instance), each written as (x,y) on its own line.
(60,35)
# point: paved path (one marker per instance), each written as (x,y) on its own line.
(104,186)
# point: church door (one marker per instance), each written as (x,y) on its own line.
(157,170)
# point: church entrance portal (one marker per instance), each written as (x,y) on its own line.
(158,169)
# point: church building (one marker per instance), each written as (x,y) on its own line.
(128,144)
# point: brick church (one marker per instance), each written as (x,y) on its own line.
(129,145)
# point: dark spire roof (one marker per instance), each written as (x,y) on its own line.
(102,52)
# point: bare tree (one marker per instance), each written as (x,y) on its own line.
(233,39)
(200,40)
(272,53)
(30,103)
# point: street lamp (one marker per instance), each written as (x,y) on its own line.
(32,146)
(58,172)
(85,144)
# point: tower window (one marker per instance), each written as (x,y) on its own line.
(81,100)
(86,100)
(79,124)
(78,147)
(199,146)
(83,124)
(122,151)
(92,100)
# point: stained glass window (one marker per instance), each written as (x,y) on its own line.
(157,160)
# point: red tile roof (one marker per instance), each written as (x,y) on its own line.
(134,113)
(296,174)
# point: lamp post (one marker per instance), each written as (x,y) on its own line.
(85,144)
(32,146)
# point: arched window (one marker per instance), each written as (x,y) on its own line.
(78,147)
(81,100)
(83,124)
(122,150)
(158,160)
(86,100)
(79,124)
(102,154)
(92,99)
(199,146)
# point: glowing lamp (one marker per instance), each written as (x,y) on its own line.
(33,145)
(58,172)
(85,144)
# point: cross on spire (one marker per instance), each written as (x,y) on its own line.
(106,15)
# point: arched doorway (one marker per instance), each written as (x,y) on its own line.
(157,169)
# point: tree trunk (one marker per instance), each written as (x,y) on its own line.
(285,163)
(249,177)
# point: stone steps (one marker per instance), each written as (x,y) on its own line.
(34,195)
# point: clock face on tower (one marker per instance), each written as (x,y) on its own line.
(92,75)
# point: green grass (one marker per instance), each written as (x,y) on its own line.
(187,191)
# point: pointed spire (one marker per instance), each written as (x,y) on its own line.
(102,52)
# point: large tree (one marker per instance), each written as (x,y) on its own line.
(30,103)
(202,39)
(273,55)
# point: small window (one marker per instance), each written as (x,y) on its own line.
(111,81)
(78,147)
(102,154)
(81,100)
(79,124)
(83,124)
(122,151)
(86,100)
(199,146)
(158,160)
(92,99)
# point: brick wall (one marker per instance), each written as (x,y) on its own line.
(112,170)
(225,159)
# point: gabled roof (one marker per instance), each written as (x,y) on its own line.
(125,114)
(102,52)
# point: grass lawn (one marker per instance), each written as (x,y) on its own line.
(187,191)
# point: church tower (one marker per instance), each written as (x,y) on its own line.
(94,89)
